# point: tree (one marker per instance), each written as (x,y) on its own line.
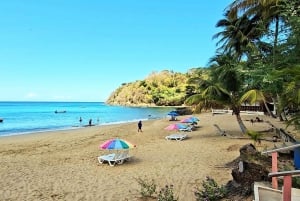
(253,96)
(262,11)
(222,87)
(290,98)
(238,35)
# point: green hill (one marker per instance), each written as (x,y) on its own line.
(165,88)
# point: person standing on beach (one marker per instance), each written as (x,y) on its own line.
(90,122)
(140,126)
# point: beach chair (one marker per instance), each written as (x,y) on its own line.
(177,137)
(123,156)
(219,111)
(114,158)
(187,129)
(107,158)
(220,131)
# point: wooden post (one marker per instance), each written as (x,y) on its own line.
(274,169)
(287,188)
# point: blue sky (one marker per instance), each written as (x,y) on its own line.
(82,50)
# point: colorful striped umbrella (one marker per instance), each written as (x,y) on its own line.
(116,144)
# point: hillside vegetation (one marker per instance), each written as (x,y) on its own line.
(165,88)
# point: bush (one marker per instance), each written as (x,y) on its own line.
(166,194)
(255,136)
(296,182)
(148,188)
(210,191)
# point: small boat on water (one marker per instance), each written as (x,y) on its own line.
(60,111)
(1,120)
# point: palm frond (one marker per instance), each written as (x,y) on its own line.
(252,96)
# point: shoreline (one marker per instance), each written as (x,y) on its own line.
(62,165)
(73,127)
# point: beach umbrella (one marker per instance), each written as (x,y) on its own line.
(190,120)
(194,118)
(173,113)
(116,144)
(176,127)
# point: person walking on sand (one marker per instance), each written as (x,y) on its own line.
(140,126)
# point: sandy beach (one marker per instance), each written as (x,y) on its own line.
(62,165)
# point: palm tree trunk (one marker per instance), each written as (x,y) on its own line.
(241,123)
(268,109)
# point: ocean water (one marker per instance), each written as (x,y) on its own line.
(28,117)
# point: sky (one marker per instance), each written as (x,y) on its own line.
(82,50)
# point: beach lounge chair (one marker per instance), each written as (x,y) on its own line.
(220,111)
(107,158)
(220,131)
(187,129)
(124,156)
(177,137)
(114,158)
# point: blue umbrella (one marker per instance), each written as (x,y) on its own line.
(173,113)
(176,127)
(190,120)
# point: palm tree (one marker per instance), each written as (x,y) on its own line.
(263,11)
(215,94)
(222,87)
(290,97)
(238,35)
(246,25)
(253,96)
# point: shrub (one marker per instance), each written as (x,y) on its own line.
(296,182)
(255,136)
(166,194)
(148,188)
(210,191)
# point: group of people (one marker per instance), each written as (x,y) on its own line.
(90,121)
(139,124)
(257,119)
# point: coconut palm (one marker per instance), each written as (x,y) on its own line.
(267,12)
(217,95)
(222,87)
(238,35)
(253,96)
(290,97)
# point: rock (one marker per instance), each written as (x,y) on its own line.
(248,169)
(248,149)
(252,172)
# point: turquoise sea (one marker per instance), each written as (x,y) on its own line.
(28,117)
